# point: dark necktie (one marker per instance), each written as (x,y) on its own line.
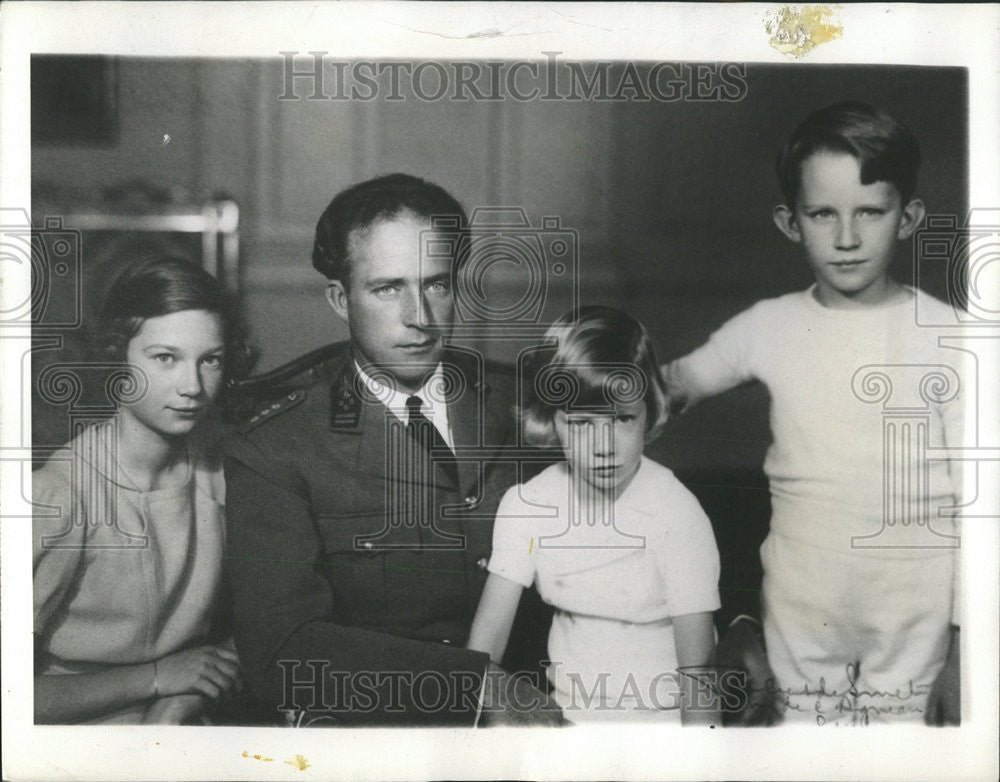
(426,434)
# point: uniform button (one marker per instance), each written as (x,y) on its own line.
(471,500)
(367,545)
(482,563)
(446,641)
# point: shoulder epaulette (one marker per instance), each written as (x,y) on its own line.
(287,402)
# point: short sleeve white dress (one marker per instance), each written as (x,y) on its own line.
(615,585)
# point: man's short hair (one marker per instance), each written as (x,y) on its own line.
(885,148)
(382,198)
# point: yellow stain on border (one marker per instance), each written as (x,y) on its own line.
(531,545)
(300,763)
(797,30)
(257,757)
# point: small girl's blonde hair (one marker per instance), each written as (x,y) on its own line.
(592,358)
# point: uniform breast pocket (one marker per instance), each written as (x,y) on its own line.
(354,562)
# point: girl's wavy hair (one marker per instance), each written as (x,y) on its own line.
(593,357)
(162,284)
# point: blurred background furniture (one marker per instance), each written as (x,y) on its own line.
(79,245)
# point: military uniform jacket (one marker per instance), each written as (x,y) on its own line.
(355,574)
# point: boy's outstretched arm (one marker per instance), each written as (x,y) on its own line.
(495,616)
(944,703)
(729,358)
(709,370)
(679,394)
(689,382)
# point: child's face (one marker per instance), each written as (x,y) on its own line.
(604,449)
(180,356)
(848,230)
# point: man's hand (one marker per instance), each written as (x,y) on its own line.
(944,703)
(741,649)
(511,700)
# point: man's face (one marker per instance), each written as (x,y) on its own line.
(398,306)
(849,230)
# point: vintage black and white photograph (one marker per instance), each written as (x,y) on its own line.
(528,391)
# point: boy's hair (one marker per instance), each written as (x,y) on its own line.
(382,198)
(594,357)
(162,284)
(886,149)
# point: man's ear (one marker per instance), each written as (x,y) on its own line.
(336,296)
(912,217)
(784,218)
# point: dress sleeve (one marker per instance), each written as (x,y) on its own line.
(688,556)
(514,549)
(724,362)
(58,539)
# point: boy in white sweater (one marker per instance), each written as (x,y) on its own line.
(860,566)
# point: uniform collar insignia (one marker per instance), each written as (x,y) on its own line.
(348,392)
(345,400)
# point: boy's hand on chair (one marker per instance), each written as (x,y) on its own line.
(741,648)
(944,703)
(512,701)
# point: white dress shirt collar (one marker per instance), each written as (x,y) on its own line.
(435,408)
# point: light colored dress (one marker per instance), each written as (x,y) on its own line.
(122,576)
(615,587)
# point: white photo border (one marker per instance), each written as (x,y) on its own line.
(954,35)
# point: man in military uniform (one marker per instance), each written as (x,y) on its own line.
(361,507)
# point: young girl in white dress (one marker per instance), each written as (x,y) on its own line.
(612,540)
(128,524)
